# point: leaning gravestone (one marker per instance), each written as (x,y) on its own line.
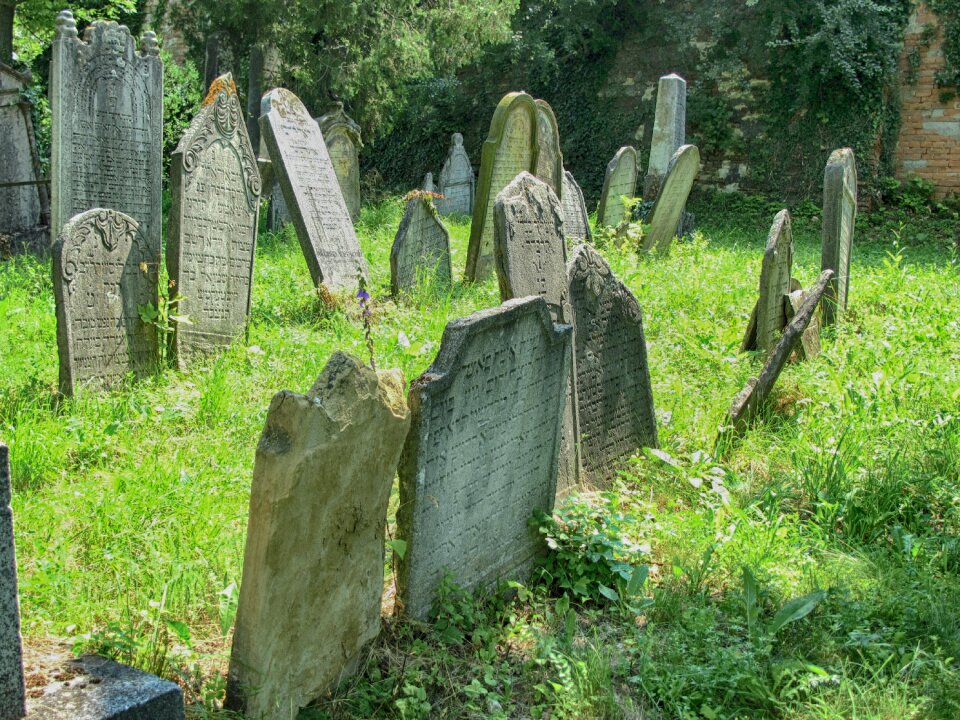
(456,180)
(104,270)
(510,149)
(614,397)
(342,136)
(12,690)
(313,565)
(106,103)
(576,223)
(481,455)
(809,346)
(421,249)
(306,175)
(668,209)
(669,131)
(770,314)
(549,158)
(620,180)
(215,189)
(839,216)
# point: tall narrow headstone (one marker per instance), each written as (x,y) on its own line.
(619,181)
(313,565)
(306,175)
(669,131)
(428,184)
(342,136)
(576,222)
(614,396)
(549,158)
(12,691)
(839,216)
(510,149)
(212,234)
(421,248)
(771,311)
(456,180)
(104,271)
(106,103)
(674,190)
(481,455)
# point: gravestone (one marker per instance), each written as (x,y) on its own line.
(839,216)
(306,175)
(279,214)
(428,185)
(809,346)
(12,690)
(620,180)
(549,158)
(576,223)
(313,565)
(342,136)
(481,455)
(212,234)
(510,149)
(421,249)
(668,209)
(669,131)
(106,104)
(456,180)
(770,313)
(104,270)
(614,397)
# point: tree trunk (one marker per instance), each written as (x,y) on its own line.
(254,91)
(211,63)
(6,31)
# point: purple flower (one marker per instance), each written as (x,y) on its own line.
(363,296)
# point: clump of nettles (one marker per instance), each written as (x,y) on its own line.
(366,303)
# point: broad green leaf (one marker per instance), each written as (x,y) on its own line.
(796,609)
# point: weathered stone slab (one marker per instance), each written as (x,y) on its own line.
(674,191)
(421,249)
(279,214)
(212,233)
(106,103)
(313,566)
(428,184)
(103,271)
(614,396)
(306,175)
(510,149)
(669,131)
(101,689)
(620,180)
(775,272)
(456,180)
(482,451)
(12,689)
(809,346)
(839,216)
(576,221)
(549,157)
(342,136)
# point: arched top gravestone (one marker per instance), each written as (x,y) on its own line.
(510,148)
(839,216)
(774,282)
(549,158)
(421,248)
(342,137)
(576,222)
(619,181)
(668,209)
(456,180)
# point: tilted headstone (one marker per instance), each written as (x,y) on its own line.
(770,315)
(428,184)
(106,104)
(482,451)
(306,175)
(421,249)
(12,690)
(342,136)
(313,565)
(839,216)
(669,131)
(510,149)
(212,234)
(668,209)
(619,181)
(576,222)
(104,270)
(456,180)
(614,396)
(809,346)
(549,157)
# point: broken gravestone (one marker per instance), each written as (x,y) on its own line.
(342,137)
(482,451)
(306,175)
(12,690)
(809,346)
(212,234)
(839,216)
(672,198)
(669,131)
(313,565)
(770,314)
(104,272)
(106,103)
(549,158)
(619,181)
(510,149)
(421,249)
(456,180)
(576,223)
(614,396)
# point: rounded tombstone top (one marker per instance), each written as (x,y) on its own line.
(457,139)
(283,101)
(673,76)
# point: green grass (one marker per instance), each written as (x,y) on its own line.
(130,506)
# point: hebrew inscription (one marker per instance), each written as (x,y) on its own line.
(620,181)
(576,223)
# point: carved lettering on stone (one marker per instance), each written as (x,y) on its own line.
(576,222)
(619,181)
(421,249)
(456,180)
(668,209)
(342,136)
(12,691)
(549,158)
(839,216)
